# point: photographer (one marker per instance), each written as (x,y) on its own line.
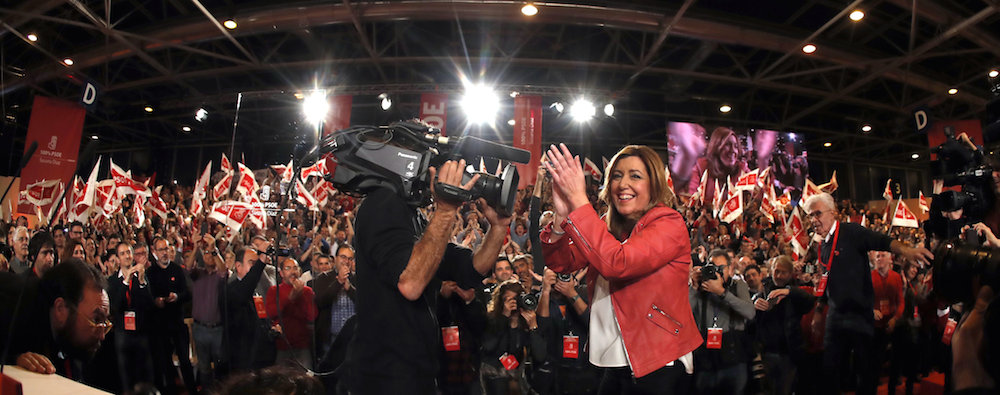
(400,264)
(780,307)
(511,328)
(721,307)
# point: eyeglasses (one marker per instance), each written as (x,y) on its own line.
(345,257)
(103,326)
(816,214)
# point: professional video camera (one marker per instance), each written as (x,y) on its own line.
(397,157)
(960,164)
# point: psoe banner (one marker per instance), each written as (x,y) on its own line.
(528,135)
(339,115)
(434,110)
(56,125)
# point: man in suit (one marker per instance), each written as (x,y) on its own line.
(131,306)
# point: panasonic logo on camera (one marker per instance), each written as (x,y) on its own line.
(407,156)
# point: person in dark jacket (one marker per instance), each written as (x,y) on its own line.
(250,344)
(780,307)
(168,285)
(509,329)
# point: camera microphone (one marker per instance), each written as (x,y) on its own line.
(468,146)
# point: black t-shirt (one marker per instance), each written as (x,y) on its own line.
(397,341)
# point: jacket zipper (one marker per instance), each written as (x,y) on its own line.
(679,324)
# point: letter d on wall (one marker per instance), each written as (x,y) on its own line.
(921,121)
(89,98)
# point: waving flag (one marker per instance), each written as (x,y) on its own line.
(42,193)
(747,181)
(887,193)
(226,165)
(303,196)
(247,184)
(230,213)
(797,231)
(199,189)
(285,171)
(767,203)
(733,208)
(258,216)
(125,183)
(316,169)
(221,188)
(589,167)
(808,191)
(156,204)
(903,216)
(924,204)
(138,213)
(58,211)
(831,185)
(106,197)
(670,180)
(717,199)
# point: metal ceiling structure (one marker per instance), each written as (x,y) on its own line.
(657,61)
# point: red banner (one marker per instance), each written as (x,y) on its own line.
(339,115)
(434,110)
(528,135)
(56,125)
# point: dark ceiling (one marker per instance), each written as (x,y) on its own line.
(655,60)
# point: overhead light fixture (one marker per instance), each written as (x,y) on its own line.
(866,128)
(915,156)
(857,15)
(952,91)
(809,48)
(511,122)
(480,103)
(384,101)
(229,24)
(299,96)
(68,61)
(827,144)
(609,110)
(725,108)
(186,128)
(32,37)
(514,93)
(201,115)
(994,73)
(93,137)
(529,10)
(558,107)
(148,108)
(582,110)
(315,107)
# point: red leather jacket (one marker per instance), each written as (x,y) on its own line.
(648,279)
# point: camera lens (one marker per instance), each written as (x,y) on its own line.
(527,301)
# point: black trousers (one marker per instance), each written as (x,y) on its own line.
(665,380)
(165,343)
(842,347)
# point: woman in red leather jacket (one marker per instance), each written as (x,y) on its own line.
(641,328)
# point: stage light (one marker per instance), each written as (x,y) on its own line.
(94,137)
(609,110)
(201,115)
(32,37)
(384,101)
(315,107)
(725,108)
(299,96)
(186,128)
(148,109)
(68,61)
(994,73)
(529,10)
(558,107)
(915,156)
(514,93)
(866,128)
(582,110)
(827,144)
(857,15)
(229,24)
(952,91)
(809,48)
(511,122)
(480,103)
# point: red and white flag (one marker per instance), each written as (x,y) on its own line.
(285,171)
(808,191)
(156,203)
(747,181)
(717,199)
(200,192)
(221,188)
(247,184)
(924,204)
(230,213)
(831,185)
(864,220)
(321,192)
(303,196)
(797,230)
(670,180)
(767,203)
(733,208)
(903,216)
(699,194)
(227,166)
(42,193)
(125,183)
(784,200)
(317,169)
(58,211)
(589,167)
(258,216)
(605,162)
(887,193)
(138,212)
(106,197)
(762,179)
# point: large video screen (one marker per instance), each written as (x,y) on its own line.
(724,151)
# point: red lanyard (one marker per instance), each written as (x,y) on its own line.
(833,248)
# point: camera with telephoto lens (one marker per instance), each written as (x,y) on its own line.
(361,159)
(710,272)
(527,301)
(274,251)
(959,164)
(564,277)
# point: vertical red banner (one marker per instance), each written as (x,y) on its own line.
(56,126)
(339,115)
(434,110)
(528,135)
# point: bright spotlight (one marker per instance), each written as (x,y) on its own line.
(229,24)
(148,109)
(32,37)
(609,109)
(809,48)
(315,107)
(725,108)
(866,128)
(827,144)
(385,102)
(994,73)
(558,107)
(915,156)
(201,115)
(582,110)
(94,137)
(68,61)
(480,104)
(511,122)
(953,91)
(529,10)
(857,15)
(186,128)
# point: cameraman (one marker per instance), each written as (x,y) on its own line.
(720,303)
(400,266)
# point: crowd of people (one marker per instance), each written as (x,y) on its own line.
(617,288)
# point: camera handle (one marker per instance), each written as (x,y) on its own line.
(452,193)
